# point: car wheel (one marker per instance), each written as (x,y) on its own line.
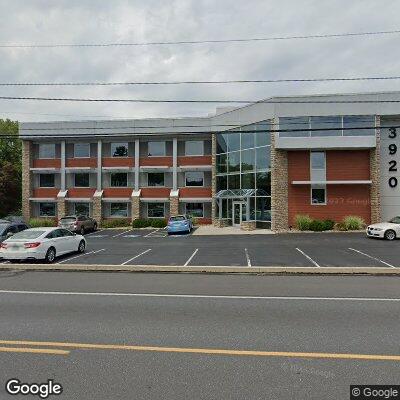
(82,231)
(390,235)
(50,255)
(82,246)
(94,227)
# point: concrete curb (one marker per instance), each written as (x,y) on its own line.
(289,270)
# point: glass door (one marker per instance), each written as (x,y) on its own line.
(237,210)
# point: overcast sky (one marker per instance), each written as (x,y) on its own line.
(90,21)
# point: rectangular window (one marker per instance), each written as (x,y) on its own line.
(233,141)
(194,178)
(46,180)
(81,150)
(155,179)
(317,160)
(222,143)
(119,179)
(47,209)
(156,149)
(234,162)
(118,210)
(155,210)
(352,125)
(82,209)
(263,158)
(194,148)
(82,180)
(47,150)
(318,195)
(119,149)
(247,137)
(248,160)
(324,126)
(294,127)
(221,164)
(195,210)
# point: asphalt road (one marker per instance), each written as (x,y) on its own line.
(193,330)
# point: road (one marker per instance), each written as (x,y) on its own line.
(192,336)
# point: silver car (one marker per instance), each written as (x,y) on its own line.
(78,223)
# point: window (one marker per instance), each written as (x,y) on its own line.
(317,160)
(221,164)
(119,179)
(248,137)
(324,126)
(65,232)
(155,210)
(294,127)
(156,149)
(119,149)
(155,179)
(82,180)
(194,148)
(351,123)
(263,158)
(195,210)
(194,178)
(248,160)
(118,210)
(47,209)
(222,143)
(47,150)
(81,150)
(82,209)
(318,195)
(46,180)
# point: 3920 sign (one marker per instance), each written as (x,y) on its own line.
(393,181)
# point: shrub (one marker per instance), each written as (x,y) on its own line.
(141,223)
(340,226)
(329,224)
(115,223)
(158,223)
(317,226)
(303,222)
(41,222)
(353,223)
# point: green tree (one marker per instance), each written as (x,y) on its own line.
(10,168)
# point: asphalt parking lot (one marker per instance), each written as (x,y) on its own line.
(155,247)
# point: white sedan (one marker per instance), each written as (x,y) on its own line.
(41,244)
(388,230)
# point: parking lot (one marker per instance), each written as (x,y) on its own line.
(155,247)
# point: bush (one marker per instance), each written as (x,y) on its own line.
(329,224)
(340,226)
(141,223)
(42,222)
(115,223)
(317,226)
(353,223)
(158,223)
(303,222)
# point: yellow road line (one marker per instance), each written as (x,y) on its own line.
(37,351)
(254,353)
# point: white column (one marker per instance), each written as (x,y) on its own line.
(175,164)
(99,172)
(62,169)
(137,166)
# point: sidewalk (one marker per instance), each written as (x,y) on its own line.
(210,230)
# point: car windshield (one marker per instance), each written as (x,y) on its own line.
(177,218)
(2,228)
(395,220)
(68,219)
(28,234)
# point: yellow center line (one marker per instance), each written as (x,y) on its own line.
(232,352)
(37,351)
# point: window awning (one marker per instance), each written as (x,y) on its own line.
(240,193)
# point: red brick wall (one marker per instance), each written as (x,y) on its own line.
(45,192)
(81,162)
(194,192)
(155,192)
(118,162)
(81,192)
(194,160)
(156,161)
(347,165)
(117,192)
(47,163)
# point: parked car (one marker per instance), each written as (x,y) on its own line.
(387,230)
(41,244)
(78,223)
(9,228)
(179,223)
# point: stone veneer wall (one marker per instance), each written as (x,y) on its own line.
(97,210)
(61,207)
(135,203)
(279,185)
(248,225)
(173,205)
(26,179)
(375,162)
(213,175)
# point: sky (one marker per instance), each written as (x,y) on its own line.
(90,21)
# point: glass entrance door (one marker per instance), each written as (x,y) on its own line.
(237,213)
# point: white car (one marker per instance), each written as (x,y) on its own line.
(388,230)
(41,244)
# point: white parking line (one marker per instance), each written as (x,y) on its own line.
(122,233)
(80,255)
(308,257)
(144,252)
(373,258)
(190,258)
(247,258)
(151,233)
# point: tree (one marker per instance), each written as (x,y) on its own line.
(10,168)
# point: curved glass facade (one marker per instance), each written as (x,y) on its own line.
(243,161)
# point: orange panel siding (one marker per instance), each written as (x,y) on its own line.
(81,162)
(299,165)
(45,192)
(347,165)
(47,163)
(194,160)
(81,192)
(194,192)
(118,162)
(117,192)
(156,161)
(155,192)
(204,221)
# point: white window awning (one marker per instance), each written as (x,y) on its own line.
(345,182)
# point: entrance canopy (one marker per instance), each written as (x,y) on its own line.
(240,193)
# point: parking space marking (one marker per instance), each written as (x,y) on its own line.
(151,233)
(99,236)
(247,258)
(373,258)
(80,255)
(133,258)
(308,257)
(190,258)
(122,233)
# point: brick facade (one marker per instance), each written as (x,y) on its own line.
(213,176)
(26,179)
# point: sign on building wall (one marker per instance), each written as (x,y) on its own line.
(390,167)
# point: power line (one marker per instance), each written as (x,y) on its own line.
(372,78)
(194,42)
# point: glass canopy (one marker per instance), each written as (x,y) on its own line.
(240,193)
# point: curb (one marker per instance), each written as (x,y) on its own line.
(271,270)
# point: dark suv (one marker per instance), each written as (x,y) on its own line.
(78,223)
(9,228)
